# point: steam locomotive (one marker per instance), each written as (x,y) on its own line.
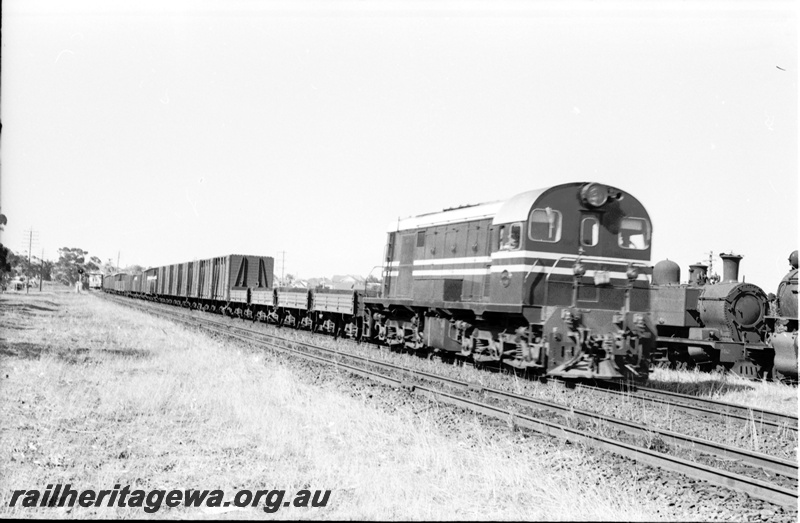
(732,324)
(554,281)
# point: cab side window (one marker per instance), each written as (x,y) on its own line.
(634,233)
(590,231)
(510,237)
(544,225)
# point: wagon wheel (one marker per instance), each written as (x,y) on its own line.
(496,349)
(467,346)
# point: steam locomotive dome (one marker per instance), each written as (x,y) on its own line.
(666,272)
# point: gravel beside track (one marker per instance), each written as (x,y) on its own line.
(706,406)
(704,494)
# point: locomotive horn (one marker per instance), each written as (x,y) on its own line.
(730,267)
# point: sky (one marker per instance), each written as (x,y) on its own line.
(162,132)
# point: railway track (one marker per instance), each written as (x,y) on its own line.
(521,412)
(703,406)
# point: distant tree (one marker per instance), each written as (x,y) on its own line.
(5,265)
(47,270)
(373,279)
(134,269)
(31,269)
(18,266)
(70,260)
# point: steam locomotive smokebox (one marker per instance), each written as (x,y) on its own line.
(730,267)
(736,309)
(666,272)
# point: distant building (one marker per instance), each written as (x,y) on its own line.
(347,282)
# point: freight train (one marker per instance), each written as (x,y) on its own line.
(554,281)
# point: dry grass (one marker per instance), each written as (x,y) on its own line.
(753,436)
(769,395)
(95,394)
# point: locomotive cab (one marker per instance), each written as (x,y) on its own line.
(591,229)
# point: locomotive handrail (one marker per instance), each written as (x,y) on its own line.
(550,273)
(384,270)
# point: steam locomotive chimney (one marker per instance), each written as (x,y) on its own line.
(698,274)
(730,267)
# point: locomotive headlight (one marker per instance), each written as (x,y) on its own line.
(632,273)
(594,195)
(578,269)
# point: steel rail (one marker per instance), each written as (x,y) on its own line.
(780,466)
(776,465)
(706,406)
(780,418)
(751,486)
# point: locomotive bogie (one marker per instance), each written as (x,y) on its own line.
(444,334)
(599,344)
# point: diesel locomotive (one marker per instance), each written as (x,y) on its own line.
(555,281)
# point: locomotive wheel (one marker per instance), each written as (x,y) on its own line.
(467,346)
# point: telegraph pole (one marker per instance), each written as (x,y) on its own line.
(31,240)
(283,260)
(30,246)
(41,271)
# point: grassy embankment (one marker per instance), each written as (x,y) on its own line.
(769,395)
(94,394)
(753,435)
